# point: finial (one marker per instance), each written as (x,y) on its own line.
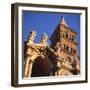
(63,22)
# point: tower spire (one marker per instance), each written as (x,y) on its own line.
(63,22)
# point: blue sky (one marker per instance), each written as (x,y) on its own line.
(47,22)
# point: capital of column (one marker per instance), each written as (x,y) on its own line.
(31,61)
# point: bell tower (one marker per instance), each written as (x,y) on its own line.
(64,39)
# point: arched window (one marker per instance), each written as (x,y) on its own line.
(72,38)
(74,51)
(66,35)
(67,48)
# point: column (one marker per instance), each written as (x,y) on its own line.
(26,67)
(30,68)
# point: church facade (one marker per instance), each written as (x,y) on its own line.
(61,58)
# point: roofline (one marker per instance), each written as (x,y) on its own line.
(70,29)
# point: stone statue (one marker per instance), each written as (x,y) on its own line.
(44,38)
(57,47)
(32,36)
(74,63)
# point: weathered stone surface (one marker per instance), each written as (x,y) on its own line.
(60,59)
